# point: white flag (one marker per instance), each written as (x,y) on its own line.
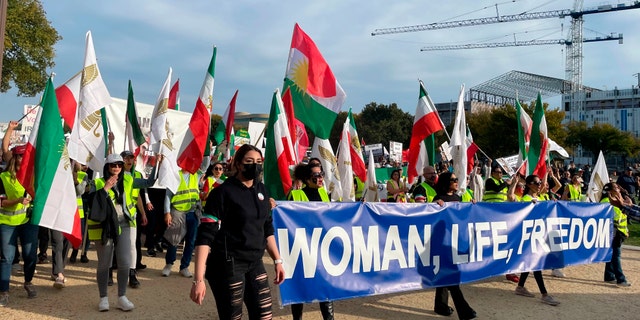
(599,177)
(87,143)
(323,151)
(371,192)
(345,167)
(160,141)
(459,144)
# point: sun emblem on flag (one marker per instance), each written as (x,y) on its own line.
(300,74)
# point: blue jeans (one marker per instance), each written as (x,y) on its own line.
(613,269)
(189,243)
(28,234)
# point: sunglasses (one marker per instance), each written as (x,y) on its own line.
(538,183)
(453,180)
(217,169)
(116,165)
(317,175)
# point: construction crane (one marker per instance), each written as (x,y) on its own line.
(573,66)
(518,43)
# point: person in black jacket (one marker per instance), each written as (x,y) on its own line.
(235,229)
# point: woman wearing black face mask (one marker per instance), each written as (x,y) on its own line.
(234,231)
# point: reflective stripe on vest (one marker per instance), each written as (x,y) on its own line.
(127,181)
(492,196)
(16,214)
(81,175)
(187,195)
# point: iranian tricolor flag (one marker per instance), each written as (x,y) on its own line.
(472,148)
(279,153)
(524,137)
(174,95)
(68,96)
(317,98)
(168,173)
(425,123)
(223,131)
(297,130)
(357,161)
(133,135)
(539,146)
(196,138)
(371,193)
(46,163)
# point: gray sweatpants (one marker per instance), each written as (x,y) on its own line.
(123,257)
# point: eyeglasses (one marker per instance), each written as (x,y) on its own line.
(217,169)
(453,180)
(116,165)
(317,175)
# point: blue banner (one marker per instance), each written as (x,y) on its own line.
(334,251)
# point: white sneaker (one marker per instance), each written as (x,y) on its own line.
(167,270)
(185,273)
(104,304)
(557,273)
(124,304)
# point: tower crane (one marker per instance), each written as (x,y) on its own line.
(573,67)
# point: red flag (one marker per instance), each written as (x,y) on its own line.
(296,128)
(174,96)
(67,96)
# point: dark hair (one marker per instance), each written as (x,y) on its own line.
(119,188)
(237,158)
(209,172)
(399,171)
(314,159)
(299,172)
(607,188)
(528,180)
(307,171)
(444,180)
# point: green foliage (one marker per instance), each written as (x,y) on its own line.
(603,137)
(379,123)
(29,52)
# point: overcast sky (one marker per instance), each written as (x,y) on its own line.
(140,40)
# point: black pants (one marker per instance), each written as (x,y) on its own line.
(233,282)
(155,218)
(442,301)
(326,308)
(538,276)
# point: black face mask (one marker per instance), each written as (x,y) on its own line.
(251,170)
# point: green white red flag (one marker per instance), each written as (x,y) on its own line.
(160,142)
(297,131)
(524,137)
(539,146)
(68,96)
(279,154)
(425,123)
(133,134)
(345,167)
(46,164)
(174,95)
(225,127)
(357,161)
(196,138)
(317,99)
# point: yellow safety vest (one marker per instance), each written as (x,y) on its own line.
(16,214)
(574,193)
(299,195)
(619,219)
(187,195)
(492,196)
(94,229)
(431,192)
(209,185)
(467,195)
(359,187)
(81,176)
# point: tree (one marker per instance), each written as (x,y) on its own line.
(602,137)
(379,123)
(29,51)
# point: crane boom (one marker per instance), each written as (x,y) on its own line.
(507,18)
(516,43)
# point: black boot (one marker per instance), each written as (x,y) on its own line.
(326,308)
(84,258)
(133,279)
(296,311)
(110,282)
(74,256)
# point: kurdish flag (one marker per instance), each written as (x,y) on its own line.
(317,99)
(46,162)
(197,137)
(317,96)
(425,123)
(279,152)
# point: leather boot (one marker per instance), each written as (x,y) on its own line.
(326,308)
(133,279)
(296,311)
